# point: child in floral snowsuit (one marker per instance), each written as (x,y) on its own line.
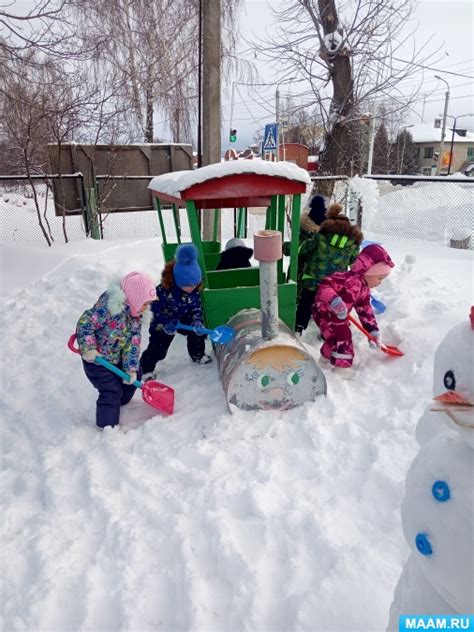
(338,294)
(177,299)
(112,329)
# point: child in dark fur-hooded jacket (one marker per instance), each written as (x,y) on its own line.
(177,299)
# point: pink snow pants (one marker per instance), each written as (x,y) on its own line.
(337,347)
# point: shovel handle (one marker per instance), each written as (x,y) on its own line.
(388,349)
(70,344)
(111,367)
(100,360)
(197,330)
(360,328)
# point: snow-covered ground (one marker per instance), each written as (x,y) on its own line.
(206,521)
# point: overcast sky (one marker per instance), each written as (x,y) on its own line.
(450,22)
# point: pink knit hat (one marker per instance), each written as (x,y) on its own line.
(378,269)
(139,289)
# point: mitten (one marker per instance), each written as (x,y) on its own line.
(339,307)
(90,355)
(170,328)
(375,344)
(197,324)
(132,376)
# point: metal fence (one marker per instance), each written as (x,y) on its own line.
(28,216)
(27,212)
(424,209)
(417,208)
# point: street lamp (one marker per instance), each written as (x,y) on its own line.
(277,113)
(443,132)
(452,138)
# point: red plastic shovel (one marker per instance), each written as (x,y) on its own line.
(389,350)
(154,393)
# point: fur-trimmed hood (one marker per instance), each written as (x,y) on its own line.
(116,300)
(307,225)
(342,226)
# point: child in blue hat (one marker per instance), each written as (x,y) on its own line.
(177,299)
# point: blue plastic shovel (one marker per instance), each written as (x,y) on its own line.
(221,335)
(377,305)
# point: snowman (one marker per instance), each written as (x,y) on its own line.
(438,508)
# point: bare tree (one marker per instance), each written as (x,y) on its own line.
(36,31)
(41,104)
(43,31)
(153,47)
(346,50)
(303,125)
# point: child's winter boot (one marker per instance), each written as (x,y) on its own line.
(204,359)
(346,372)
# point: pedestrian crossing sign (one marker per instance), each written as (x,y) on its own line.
(270,139)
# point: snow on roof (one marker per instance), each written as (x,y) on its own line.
(175,182)
(424,133)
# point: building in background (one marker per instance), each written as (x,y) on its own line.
(427,139)
(294,152)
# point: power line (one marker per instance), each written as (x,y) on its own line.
(446,72)
(245,103)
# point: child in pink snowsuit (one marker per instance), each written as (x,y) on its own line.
(339,293)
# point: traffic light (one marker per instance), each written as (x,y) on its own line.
(233,135)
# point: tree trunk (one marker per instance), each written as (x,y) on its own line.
(149,114)
(335,158)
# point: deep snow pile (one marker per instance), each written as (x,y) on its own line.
(429,211)
(207,521)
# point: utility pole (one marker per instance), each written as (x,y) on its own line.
(277,114)
(423,110)
(211,98)
(277,119)
(443,131)
(371,143)
(199,125)
(451,148)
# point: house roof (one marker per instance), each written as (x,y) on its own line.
(425,133)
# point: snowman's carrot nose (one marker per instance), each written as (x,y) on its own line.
(451,397)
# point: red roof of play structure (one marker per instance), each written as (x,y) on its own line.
(236,184)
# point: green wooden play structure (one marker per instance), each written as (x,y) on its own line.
(227,186)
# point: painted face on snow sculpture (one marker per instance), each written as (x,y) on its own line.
(275,376)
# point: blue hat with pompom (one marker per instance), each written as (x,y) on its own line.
(186,270)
